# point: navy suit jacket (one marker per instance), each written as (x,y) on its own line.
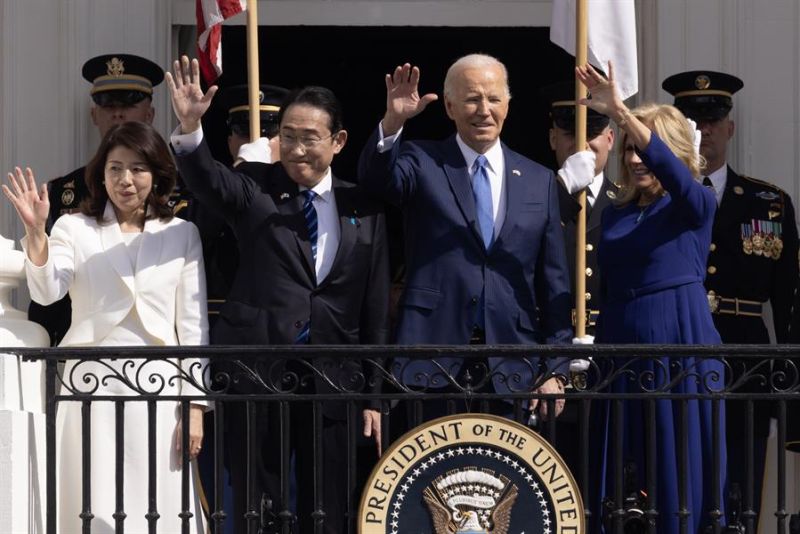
(524,274)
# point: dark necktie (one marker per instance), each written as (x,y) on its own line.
(310,213)
(482,192)
(709,184)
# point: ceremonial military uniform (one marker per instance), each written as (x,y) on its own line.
(560,97)
(118,81)
(569,214)
(752,260)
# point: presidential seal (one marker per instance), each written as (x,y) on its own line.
(471,474)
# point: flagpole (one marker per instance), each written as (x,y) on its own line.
(581,47)
(253,83)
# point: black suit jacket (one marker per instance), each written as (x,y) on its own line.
(275,291)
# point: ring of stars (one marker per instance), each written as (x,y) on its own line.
(484,515)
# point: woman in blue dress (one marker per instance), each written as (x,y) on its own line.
(652,253)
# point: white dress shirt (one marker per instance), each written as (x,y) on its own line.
(719,179)
(324,203)
(594,188)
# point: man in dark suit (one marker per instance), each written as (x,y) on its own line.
(122,90)
(753,256)
(484,246)
(313,269)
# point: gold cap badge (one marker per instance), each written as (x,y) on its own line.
(116,67)
(702,82)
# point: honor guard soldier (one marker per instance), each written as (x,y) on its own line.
(236,98)
(577,173)
(122,90)
(753,256)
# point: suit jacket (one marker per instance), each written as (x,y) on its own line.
(523,276)
(275,291)
(569,215)
(732,273)
(166,286)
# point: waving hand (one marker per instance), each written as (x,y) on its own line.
(188,100)
(402,98)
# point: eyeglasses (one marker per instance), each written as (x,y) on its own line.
(306,141)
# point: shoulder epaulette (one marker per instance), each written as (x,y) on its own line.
(762,183)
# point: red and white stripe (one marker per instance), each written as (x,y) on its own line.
(210,15)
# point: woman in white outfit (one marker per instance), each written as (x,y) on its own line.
(135,276)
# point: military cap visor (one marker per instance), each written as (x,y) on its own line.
(127,76)
(703,94)
(560,96)
(564,117)
(237,100)
(239,122)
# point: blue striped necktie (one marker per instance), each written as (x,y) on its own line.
(482,192)
(310,214)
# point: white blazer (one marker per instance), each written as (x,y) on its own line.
(89,260)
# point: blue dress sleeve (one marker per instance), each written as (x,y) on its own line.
(696,201)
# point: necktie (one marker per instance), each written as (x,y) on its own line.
(482,192)
(709,184)
(310,213)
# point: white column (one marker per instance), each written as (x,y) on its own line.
(22,420)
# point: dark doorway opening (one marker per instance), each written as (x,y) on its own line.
(352,62)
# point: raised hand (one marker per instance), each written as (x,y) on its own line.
(402,98)
(605,98)
(188,100)
(31,203)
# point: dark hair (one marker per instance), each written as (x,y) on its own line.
(317,97)
(145,141)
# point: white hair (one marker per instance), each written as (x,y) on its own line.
(473,61)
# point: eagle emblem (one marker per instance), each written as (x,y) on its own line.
(470,501)
(115,67)
(702,82)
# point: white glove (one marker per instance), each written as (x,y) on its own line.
(580,365)
(698,135)
(578,171)
(258,151)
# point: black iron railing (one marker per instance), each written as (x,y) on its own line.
(281,375)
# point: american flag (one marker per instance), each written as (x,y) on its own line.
(210,15)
